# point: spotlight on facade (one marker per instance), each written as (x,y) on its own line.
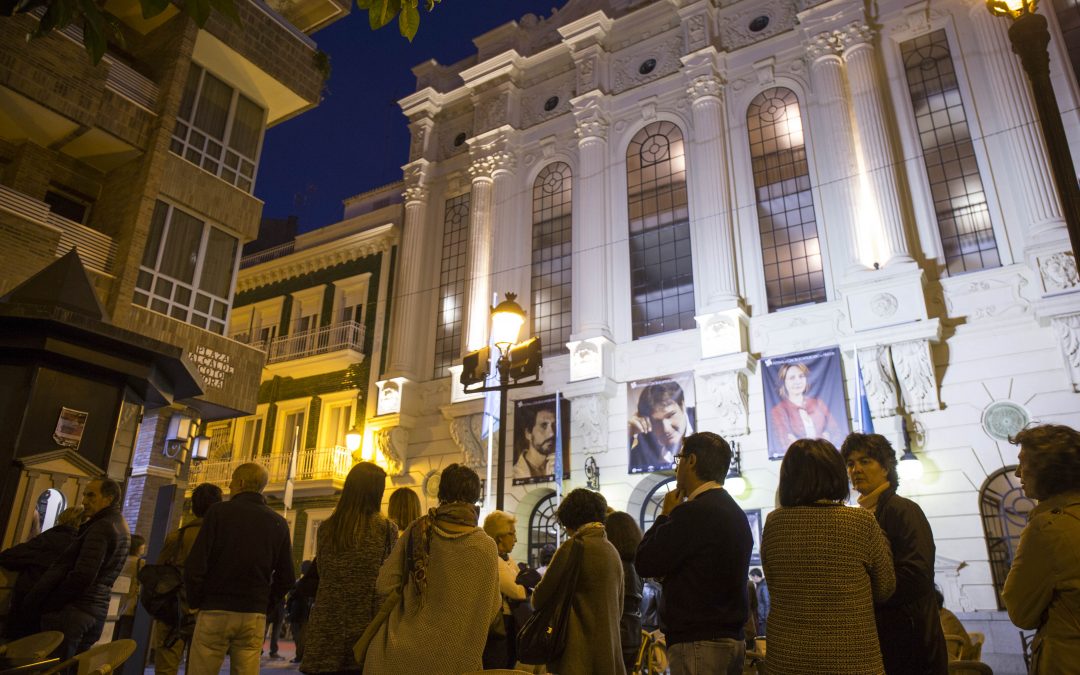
(200,448)
(1011,8)
(354,438)
(475,366)
(526,359)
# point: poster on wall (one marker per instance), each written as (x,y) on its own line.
(660,412)
(753,516)
(70,427)
(804,398)
(534,439)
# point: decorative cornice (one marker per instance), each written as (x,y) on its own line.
(836,42)
(347,249)
(705,86)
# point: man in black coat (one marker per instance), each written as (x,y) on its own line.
(74,592)
(908,625)
(30,559)
(239,568)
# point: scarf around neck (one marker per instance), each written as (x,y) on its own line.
(450,520)
(870,501)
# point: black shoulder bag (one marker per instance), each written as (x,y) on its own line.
(542,639)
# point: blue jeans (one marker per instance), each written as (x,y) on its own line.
(707,657)
(81,629)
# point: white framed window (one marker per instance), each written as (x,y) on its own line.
(257,325)
(291,427)
(315,518)
(337,420)
(249,437)
(219,129)
(220,434)
(187,269)
(350,299)
(450,315)
(551,257)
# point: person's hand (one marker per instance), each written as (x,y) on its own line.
(640,425)
(671,500)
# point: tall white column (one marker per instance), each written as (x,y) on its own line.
(714,248)
(592,291)
(513,244)
(478,255)
(834,147)
(409,306)
(878,149)
(1013,126)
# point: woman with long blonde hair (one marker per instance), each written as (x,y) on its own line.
(352,545)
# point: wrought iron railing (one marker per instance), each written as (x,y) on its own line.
(331,463)
(267,254)
(332,338)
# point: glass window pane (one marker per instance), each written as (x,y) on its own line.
(153,239)
(218,263)
(212,113)
(182,246)
(449,316)
(191,87)
(247,127)
(552,262)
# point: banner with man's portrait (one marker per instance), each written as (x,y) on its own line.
(660,412)
(535,439)
(804,398)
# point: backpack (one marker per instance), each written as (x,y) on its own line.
(160,589)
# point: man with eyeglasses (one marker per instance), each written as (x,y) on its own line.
(700,547)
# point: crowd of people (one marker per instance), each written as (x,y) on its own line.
(848,589)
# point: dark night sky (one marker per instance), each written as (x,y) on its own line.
(357,138)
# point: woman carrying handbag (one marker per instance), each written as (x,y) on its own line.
(596,597)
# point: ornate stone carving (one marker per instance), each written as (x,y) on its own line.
(465,431)
(827,43)
(592,122)
(586,74)
(729,394)
(626,73)
(588,423)
(696,34)
(735,31)
(415,177)
(492,112)
(1058,271)
(915,372)
(884,305)
(878,381)
(393,444)
(416,144)
(857,33)
(1003,419)
(704,86)
(1068,332)
(487,165)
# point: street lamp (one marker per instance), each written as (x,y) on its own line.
(517,361)
(1029,37)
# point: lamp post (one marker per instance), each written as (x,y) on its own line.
(1029,36)
(506,320)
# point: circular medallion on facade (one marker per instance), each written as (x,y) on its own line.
(431,484)
(1002,419)
(647,66)
(759,23)
(550,104)
(459,139)
(884,304)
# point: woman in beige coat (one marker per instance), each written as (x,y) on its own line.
(593,644)
(1042,590)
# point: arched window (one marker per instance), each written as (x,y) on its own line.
(790,251)
(544,529)
(654,502)
(1004,509)
(955,185)
(551,257)
(661,266)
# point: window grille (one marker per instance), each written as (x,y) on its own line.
(967,236)
(187,269)
(654,502)
(450,316)
(1004,509)
(661,265)
(790,249)
(219,129)
(551,257)
(544,529)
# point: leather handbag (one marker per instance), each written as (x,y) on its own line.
(542,639)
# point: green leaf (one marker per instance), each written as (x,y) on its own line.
(151,8)
(409,20)
(227,8)
(383,12)
(94,27)
(198,10)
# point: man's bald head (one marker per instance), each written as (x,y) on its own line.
(249,477)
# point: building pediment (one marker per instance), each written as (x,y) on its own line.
(64,461)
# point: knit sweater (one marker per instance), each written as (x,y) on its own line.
(701,551)
(826,566)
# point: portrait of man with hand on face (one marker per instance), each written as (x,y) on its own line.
(658,421)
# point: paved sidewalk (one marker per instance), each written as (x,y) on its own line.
(279,666)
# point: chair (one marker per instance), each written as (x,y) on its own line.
(969,668)
(98,660)
(974,649)
(955,645)
(32,647)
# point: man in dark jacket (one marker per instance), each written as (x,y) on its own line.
(74,592)
(239,567)
(908,626)
(30,559)
(700,546)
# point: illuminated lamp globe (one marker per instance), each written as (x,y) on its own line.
(910,469)
(353,438)
(1013,9)
(735,485)
(506,320)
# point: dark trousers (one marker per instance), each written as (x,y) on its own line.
(80,628)
(298,638)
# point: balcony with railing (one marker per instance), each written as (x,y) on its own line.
(328,465)
(268,254)
(344,339)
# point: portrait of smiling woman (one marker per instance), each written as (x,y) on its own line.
(798,414)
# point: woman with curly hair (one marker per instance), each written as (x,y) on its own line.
(446,568)
(1042,590)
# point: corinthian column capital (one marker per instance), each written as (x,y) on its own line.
(705,86)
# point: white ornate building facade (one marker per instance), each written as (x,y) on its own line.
(699,186)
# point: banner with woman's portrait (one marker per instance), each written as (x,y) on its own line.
(535,440)
(660,412)
(804,398)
